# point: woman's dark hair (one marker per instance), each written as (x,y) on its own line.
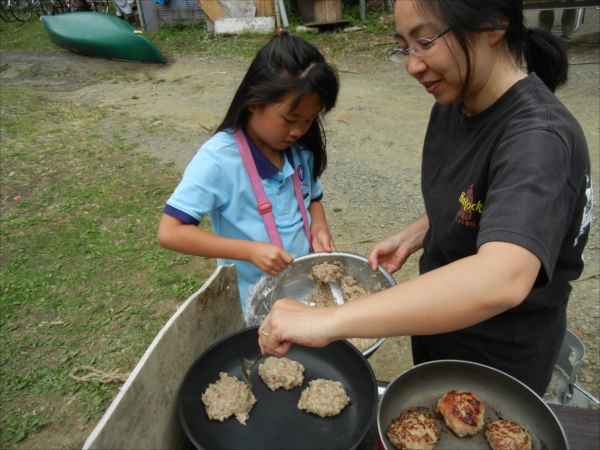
(544,54)
(288,63)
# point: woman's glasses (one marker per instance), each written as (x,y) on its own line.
(417,47)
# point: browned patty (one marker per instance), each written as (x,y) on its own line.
(506,435)
(462,411)
(414,430)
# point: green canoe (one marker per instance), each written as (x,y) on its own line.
(101,35)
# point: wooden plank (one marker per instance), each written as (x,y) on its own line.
(212,9)
(264,8)
(581,425)
(144,414)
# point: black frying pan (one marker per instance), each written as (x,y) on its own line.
(503,397)
(275,420)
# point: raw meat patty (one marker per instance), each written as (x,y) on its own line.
(414,430)
(281,373)
(506,435)
(226,397)
(462,411)
(324,397)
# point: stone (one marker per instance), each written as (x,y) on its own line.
(230,25)
(303,29)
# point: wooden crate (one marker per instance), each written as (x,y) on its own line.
(328,11)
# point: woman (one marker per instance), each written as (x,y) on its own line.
(507,192)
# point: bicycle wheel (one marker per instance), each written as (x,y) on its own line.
(5,13)
(36,6)
(20,9)
(49,7)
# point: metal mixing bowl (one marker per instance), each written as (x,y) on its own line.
(296,284)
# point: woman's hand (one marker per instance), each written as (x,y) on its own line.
(269,258)
(290,322)
(392,252)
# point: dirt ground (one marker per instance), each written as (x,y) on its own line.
(374,139)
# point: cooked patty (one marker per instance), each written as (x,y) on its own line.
(413,430)
(506,435)
(226,397)
(324,398)
(281,373)
(462,411)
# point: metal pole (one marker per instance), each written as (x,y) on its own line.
(363,16)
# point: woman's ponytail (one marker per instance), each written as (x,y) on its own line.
(546,55)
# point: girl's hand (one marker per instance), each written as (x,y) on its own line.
(290,322)
(322,241)
(270,258)
(392,252)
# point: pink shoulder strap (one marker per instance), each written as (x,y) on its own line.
(264,205)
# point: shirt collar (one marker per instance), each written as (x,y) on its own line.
(265,168)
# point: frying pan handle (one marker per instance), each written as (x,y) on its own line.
(381,387)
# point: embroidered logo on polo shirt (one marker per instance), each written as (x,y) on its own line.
(301,172)
(468,205)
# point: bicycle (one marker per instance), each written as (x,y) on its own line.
(5,12)
(100,5)
(20,9)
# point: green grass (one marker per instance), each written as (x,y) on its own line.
(83,281)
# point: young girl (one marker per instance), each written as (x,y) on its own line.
(258,177)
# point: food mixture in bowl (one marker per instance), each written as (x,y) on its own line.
(325,273)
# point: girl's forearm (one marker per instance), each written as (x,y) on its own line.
(317,215)
(191,240)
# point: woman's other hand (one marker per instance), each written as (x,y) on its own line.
(392,252)
(290,322)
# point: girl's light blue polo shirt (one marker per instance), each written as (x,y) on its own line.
(216,183)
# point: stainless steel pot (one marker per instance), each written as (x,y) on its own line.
(296,284)
(503,397)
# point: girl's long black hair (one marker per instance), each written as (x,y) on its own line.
(287,63)
(543,52)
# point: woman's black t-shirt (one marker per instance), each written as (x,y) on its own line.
(517,172)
